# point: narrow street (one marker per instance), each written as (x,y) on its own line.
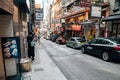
(77,66)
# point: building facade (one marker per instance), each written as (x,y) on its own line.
(14,23)
(58,14)
(112,22)
(6,29)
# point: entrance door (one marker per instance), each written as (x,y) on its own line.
(118,32)
(114,30)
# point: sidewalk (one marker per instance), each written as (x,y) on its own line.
(43,68)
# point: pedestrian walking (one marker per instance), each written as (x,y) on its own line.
(39,37)
(31,44)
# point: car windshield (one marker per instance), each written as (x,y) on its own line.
(81,40)
(116,40)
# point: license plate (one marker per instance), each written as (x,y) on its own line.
(89,47)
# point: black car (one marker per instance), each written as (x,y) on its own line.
(107,48)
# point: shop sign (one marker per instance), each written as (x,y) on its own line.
(56,20)
(85,3)
(96,11)
(76,8)
(39,14)
(76,27)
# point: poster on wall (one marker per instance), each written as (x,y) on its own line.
(10,48)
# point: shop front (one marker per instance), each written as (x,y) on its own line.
(113,25)
(90,30)
(73,27)
(76,30)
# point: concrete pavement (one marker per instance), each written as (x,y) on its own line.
(43,68)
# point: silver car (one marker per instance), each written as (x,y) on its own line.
(75,42)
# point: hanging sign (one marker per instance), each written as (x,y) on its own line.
(96,11)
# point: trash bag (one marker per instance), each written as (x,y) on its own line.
(25,64)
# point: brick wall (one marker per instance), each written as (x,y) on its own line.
(15,18)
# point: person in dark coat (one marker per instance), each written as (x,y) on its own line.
(31,53)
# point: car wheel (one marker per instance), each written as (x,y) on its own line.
(82,49)
(73,47)
(67,45)
(105,56)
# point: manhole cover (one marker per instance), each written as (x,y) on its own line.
(38,69)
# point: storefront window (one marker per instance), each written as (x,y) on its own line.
(114,30)
(117,4)
(109,26)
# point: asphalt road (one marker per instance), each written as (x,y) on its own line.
(77,66)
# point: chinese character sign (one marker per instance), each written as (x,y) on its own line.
(10,47)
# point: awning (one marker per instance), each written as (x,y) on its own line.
(112,17)
(87,22)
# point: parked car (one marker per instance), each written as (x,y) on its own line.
(75,42)
(47,37)
(60,40)
(107,48)
(54,37)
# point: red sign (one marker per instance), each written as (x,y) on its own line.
(76,27)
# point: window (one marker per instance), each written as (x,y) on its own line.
(72,39)
(117,4)
(94,41)
(81,40)
(106,42)
(97,41)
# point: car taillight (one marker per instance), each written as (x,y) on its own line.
(117,48)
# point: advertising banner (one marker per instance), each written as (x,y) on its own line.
(10,48)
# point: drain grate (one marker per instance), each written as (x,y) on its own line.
(38,69)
